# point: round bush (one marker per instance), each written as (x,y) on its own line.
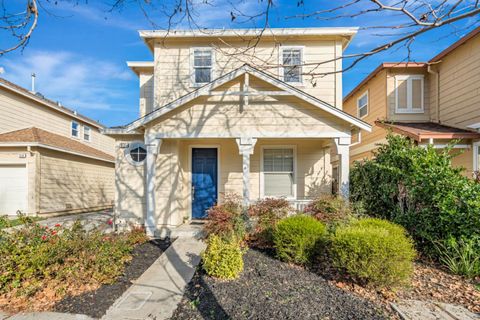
(297,238)
(223,258)
(374,251)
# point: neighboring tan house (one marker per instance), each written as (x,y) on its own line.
(432,103)
(211,124)
(52,159)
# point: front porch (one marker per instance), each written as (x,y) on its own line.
(185,177)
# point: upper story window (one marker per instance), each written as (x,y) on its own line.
(362,105)
(292,64)
(75,129)
(87,135)
(409,94)
(202,65)
(278,172)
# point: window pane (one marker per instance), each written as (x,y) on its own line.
(138,154)
(291,74)
(292,56)
(292,60)
(202,58)
(202,75)
(402,94)
(417,94)
(278,184)
(363,100)
(74,129)
(278,160)
(363,111)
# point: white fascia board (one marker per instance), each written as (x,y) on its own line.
(333,31)
(119,131)
(135,65)
(261,75)
(46,146)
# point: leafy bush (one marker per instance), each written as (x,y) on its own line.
(418,188)
(34,257)
(226,219)
(373,251)
(223,257)
(329,209)
(297,238)
(267,213)
(461,256)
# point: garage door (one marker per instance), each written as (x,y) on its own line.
(13,189)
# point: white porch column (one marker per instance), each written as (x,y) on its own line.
(343,150)
(245,148)
(152,145)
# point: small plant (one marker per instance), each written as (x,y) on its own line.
(461,257)
(373,251)
(223,257)
(297,238)
(329,209)
(223,221)
(267,213)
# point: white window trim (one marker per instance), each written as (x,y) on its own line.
(89,134)
(78,129)
(262,176)
(132,145)
(280,63)
(409,93)
(192,68)
(476,164)
(367,105)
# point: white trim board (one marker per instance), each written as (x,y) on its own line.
(204,90)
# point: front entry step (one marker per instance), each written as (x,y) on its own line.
(188,230)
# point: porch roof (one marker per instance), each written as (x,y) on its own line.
(206,90)
(428,130)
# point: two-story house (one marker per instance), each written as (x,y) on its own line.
(217,116)
(52,159)
(432,102)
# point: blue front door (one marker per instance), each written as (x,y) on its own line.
(204,181)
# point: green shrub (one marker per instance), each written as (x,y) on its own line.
(330,209)
(226,219)
(223,258)
(266,213)
(297,238)
(374,252)
(418,188)
(461,257)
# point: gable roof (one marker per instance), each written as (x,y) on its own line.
(228,77)
(456,44)
(382,66)
(427,130)
(47,102)
(41,138)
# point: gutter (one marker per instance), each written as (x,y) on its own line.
(437,83)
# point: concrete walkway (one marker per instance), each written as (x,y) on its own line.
(415,309)
(45,316)
(156,294)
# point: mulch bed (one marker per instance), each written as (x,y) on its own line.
(95,303)
(271,289)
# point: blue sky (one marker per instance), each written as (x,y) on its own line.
(79,53)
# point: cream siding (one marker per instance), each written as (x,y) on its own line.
(173,65)
(69,182)
(18,112)
(146,93)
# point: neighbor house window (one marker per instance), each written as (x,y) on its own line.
(278,172)
(202,65)
(136,152)
(87,133)
(362,105)
(75,129)
(409,94)
(292,65)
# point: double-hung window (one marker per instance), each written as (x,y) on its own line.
(362,105)
(87,136)
(409,94)
(278,172)
(292,64)
(202,65)
(75,129)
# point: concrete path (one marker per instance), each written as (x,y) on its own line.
(414,309)
(45,316)
(156,294)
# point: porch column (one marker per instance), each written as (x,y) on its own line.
(343,150)
(152,145)
(245,148)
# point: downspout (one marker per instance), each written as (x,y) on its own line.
(437,83)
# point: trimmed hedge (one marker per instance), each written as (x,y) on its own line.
(374,251)
(297,238)
(223,258)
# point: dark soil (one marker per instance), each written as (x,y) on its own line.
(95,303)
(271,289)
